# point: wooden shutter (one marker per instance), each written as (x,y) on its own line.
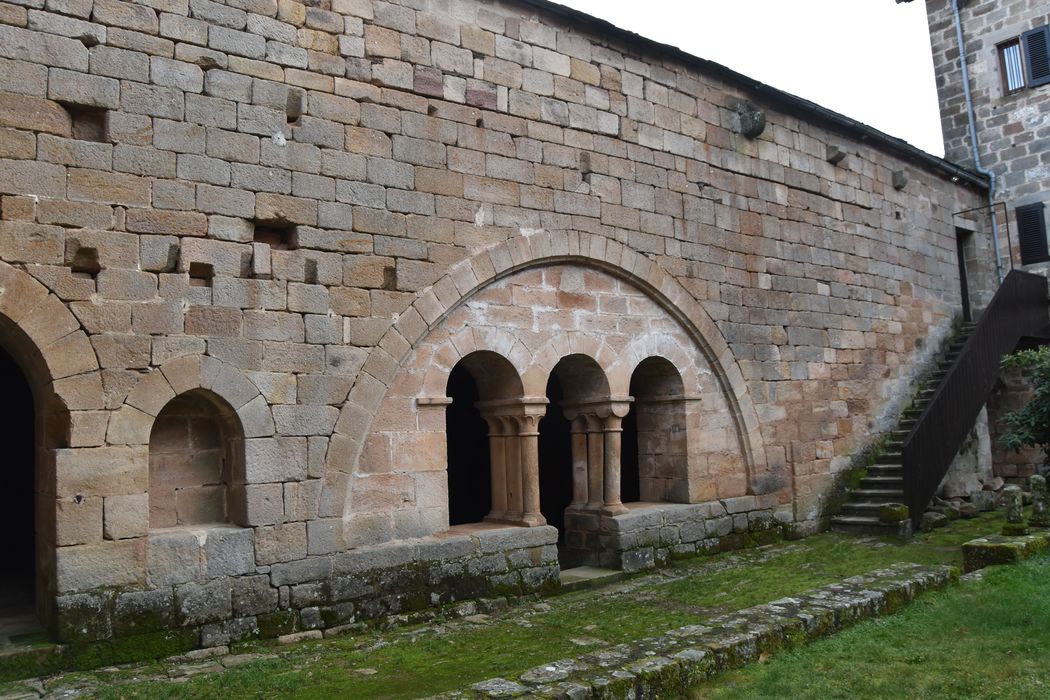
(1031,232)
(1036,45)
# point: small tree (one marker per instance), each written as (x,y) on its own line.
(1030,425)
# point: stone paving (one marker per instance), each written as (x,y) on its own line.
(667,666)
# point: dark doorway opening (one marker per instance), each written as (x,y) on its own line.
(630,478)
(963,244)
(469,465)
(18,517)
(555,459)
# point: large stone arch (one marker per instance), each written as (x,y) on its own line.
(469,276)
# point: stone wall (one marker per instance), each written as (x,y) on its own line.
(310,213)
(1012,392)
(1011,128)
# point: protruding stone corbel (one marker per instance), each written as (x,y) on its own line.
(747,119)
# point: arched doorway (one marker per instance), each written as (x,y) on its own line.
(18,576)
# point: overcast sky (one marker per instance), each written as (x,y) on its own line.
(868,59)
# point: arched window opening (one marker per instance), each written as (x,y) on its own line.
(469,465)
(196,452)
(484,476)
(555,459)
(655,451)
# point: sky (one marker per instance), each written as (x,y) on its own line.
(867,59)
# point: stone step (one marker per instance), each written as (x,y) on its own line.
(889,458)
(876,495)
(887,469)
(883,482)
(587,577)
(865,525)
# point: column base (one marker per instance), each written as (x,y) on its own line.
(613,509)
(533,520)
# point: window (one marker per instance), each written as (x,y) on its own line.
(1025,60)
(1010,66)
(1031,233)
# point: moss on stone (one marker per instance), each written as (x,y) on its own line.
(140,647)
(276,623)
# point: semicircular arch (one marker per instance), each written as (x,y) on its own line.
(433,304)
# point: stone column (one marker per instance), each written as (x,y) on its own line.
(579,462)
(498,460)
(512,461)
(529,437)
(613,432)
(595,462)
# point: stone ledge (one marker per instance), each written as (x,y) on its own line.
(1000,549)
(667,666)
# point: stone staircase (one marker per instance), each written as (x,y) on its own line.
(884,482)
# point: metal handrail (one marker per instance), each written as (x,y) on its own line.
(1018,310)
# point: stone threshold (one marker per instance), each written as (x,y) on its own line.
(669,665)
(583,577)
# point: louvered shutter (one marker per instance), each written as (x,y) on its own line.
(1031,232)
(1036,45)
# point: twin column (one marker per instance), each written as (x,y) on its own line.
(515,457)
(596,432)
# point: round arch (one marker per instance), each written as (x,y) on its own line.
(469,276)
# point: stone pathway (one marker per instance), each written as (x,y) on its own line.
(669,665)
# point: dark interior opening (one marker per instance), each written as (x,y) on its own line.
(469,467)
(279,235)
(555,459)
(89,123)
(630,477)
(17,435)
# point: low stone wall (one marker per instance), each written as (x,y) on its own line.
(207,591)
(668,666)
(651,534)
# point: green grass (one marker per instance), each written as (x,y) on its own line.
(429,659)
(982,639)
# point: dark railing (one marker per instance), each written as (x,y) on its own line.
(1018,310)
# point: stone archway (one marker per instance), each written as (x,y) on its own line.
(49,351)
(398,349)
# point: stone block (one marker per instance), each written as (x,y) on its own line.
(305,420)
(138,612)
(229,551)
(325,536)
(101,471)
(270,460)
(83,90)
(84,617)
(84,567)
(310,569)
(126,516)
(78,520)
(253,595)
(197,603)
(36,114)
(174,557)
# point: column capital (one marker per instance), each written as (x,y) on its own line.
(603,408)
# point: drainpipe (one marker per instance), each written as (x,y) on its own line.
(972,120)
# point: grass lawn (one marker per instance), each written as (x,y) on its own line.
(982,639)
(428,659)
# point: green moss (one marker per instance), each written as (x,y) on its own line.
(154,645)
(893,512)
(277,623)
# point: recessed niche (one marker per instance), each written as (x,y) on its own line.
(201,274)
(89,123)
(294,107)
(277,234)
(85,263)
(310,271)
